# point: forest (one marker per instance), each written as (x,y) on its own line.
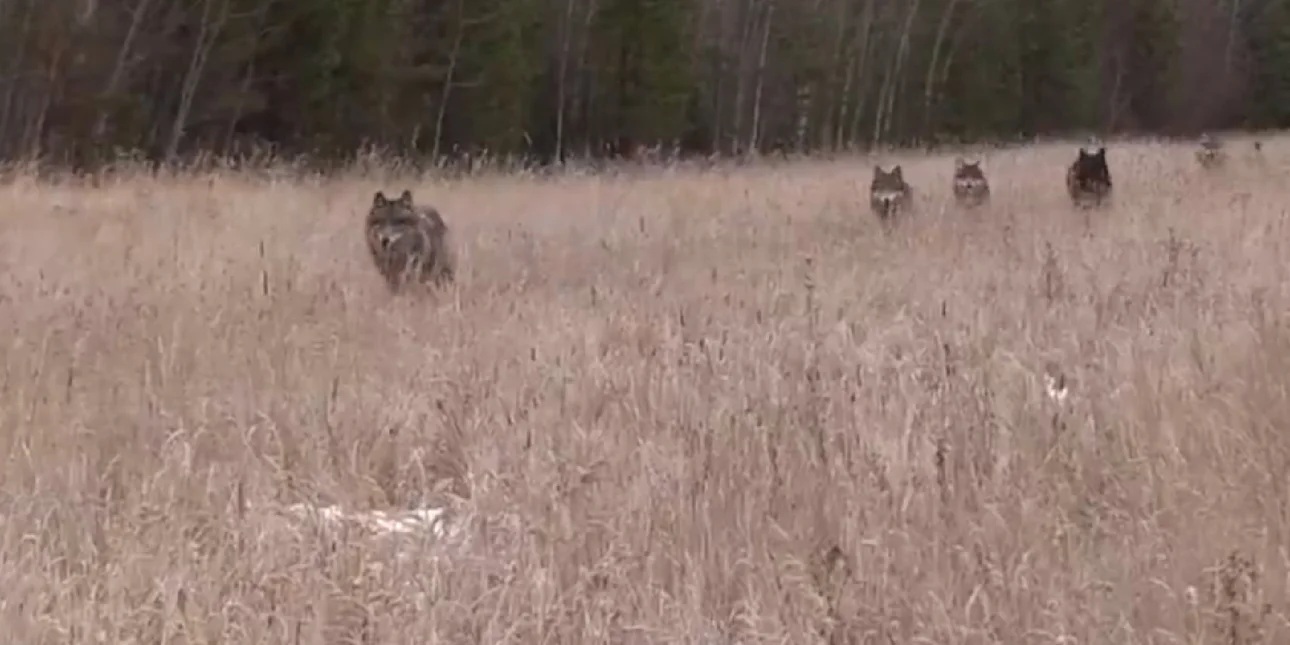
(84,82)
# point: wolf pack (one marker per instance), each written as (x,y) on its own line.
(409,242)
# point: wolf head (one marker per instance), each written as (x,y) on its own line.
(407,242)
(970,184)
(888,192)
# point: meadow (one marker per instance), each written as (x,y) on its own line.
(678,406)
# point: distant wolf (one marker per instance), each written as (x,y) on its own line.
(971,188)
(889,194)
(409,244)
(1088,180)
(1211,153)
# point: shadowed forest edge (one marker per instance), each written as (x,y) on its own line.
(84,82)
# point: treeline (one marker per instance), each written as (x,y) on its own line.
(84,81)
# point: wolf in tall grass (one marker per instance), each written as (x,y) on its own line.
(409,243)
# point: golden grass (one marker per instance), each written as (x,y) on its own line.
(688,407)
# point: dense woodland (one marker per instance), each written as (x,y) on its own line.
(86,81)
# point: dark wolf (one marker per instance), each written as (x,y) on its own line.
(971,188)
(409,243)
(1211,153)
(889,194)
(1088,180)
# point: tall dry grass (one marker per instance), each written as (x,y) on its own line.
(688,407)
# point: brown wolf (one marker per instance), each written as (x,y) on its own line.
(1088,180)
(409,244)
(971,188)
(889,194)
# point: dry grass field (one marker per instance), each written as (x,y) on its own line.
(715,408)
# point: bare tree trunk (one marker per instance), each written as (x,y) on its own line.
(118,68)
(809,100)
(741,86)
(1231,39)
(561,80)
(6,107)
(754,136)
(807,96)
(88,8)
(887,104)
(245,87)
(36,128)
(584,89)
(880,113)
(860,70)
(447,84)
(726,26)
(836,97)
(947,61)
(929,86)
(846,105)
(206,37)
(1119,100)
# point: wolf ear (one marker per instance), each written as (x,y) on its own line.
(877,171)
(1101,152)
(379,199)
(895,172)
(406,198)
